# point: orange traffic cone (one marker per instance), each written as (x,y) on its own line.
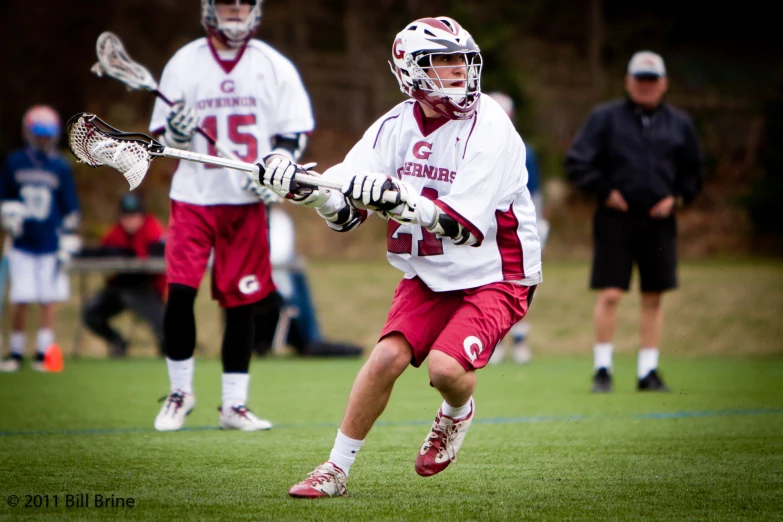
(53,359)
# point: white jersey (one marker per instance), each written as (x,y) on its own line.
(243,103)
(475,170)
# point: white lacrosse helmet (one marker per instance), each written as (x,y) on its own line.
(412,54)
(232,32)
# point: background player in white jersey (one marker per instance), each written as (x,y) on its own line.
(251,98)
(41,212)
(464,233)
(520,349)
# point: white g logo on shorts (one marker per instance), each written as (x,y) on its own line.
(468,345)
(249,285)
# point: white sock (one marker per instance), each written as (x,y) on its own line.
(235,387)
(344,452)
(44,339)
(181,374)
(602,355)
(16,342)
(648,361)
(455,412)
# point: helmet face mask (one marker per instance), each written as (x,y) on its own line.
(233,31)
(430,82)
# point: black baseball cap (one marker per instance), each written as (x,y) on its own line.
(131,204)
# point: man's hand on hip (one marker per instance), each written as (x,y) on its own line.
(616,201)
(663,208)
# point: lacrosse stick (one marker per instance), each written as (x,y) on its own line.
(114,61)
(97,143)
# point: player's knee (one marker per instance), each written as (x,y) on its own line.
(651,300)
(391,356)
(610,297)
(444,370)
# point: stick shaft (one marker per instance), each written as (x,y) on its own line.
(215,161)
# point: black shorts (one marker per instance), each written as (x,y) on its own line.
(620,239)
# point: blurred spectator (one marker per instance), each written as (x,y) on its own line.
(40,212)
(640,157)
(520,349)
(136,234)
(302,333)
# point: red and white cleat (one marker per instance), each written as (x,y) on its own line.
(327,480)
(442,443)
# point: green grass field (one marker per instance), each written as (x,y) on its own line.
(542,446)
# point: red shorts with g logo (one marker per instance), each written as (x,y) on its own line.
(239,234)
(465,324)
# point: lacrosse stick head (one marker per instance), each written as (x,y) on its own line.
(114,61)
(97,143)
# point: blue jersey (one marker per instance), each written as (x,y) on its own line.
(44,184)
(531,163)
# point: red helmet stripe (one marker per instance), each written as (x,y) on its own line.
(437,24)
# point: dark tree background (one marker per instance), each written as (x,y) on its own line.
(556,58)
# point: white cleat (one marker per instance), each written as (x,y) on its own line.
(10,365)
(240,418)
(521,353)
(327,480)
(176,406)
(443,442)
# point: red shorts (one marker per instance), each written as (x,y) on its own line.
(465,324)
(241,271)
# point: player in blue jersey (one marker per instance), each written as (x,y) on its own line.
(520,350)
(39,209)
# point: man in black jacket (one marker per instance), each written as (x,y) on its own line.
(641,158)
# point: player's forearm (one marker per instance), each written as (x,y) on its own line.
(339,214)
(442,224)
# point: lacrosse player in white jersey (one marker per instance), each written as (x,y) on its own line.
(462,229)
(249,97)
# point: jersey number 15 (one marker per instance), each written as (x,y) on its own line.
(235,122)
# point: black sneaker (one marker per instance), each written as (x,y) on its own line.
(602,381)
(652,382)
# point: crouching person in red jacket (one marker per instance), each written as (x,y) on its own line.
(136,234)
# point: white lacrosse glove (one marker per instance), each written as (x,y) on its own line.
(181,123)
(13,214)
(372,191)
(277,173)
(69,244)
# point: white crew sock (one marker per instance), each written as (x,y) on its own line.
(16,342)
(602,355)
(181,374)
(648,361)
(43,340)
(455,412)
(235,386)
(344,452)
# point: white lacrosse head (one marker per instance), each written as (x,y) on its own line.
(91,145)
(114,61)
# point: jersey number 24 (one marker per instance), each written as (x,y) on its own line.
(428,245)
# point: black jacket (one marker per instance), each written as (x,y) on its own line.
(646,155)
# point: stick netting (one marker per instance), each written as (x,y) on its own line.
(114,61)
(93,146)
